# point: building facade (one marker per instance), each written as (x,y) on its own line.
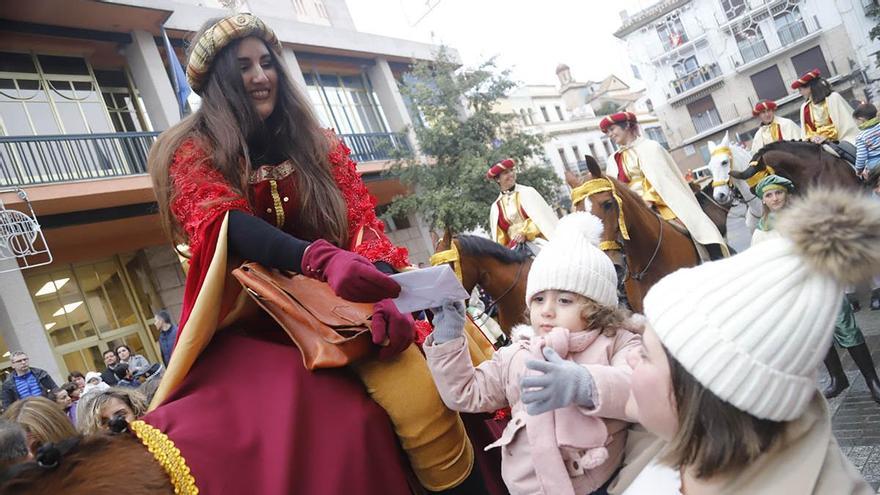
(567,116)
(85,90)
(707,62)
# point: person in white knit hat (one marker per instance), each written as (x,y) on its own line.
(565,378)
(726,378)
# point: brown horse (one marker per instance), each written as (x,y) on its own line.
(804,163)
(713,209)
(500,271)
(643,246)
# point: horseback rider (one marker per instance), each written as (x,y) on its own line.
(772,128)
(649,170)
(775,192)
(519,216)
(826,118)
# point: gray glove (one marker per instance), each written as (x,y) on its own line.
(448,321)
(563,383)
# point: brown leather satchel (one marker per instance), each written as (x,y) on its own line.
(329,331)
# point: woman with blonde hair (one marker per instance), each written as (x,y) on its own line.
(126,403)
(42,420)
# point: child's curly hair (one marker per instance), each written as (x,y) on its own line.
(606,319)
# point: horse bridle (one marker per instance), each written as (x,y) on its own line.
(452,256)
(725,150)
(602,184)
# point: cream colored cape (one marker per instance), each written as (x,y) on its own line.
(789,129)
(841,117)
(664,175)
(535,207)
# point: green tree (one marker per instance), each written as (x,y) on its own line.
(460,136)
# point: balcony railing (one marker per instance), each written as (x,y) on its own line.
(706,120)
(376,145)
(29,160)
(791,32)
(690,81)
(753,50)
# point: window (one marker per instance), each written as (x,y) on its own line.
(685,66)
(733,8)
(656,134)
(649,105)
(790,26)
(346,103)
(703,113)
(636,73)
(576,152)
(671,32)
(751,44)
(559,113)
(545,114)
(563,157)
(809,60)
(48,94)
(532,116)
(123,106)
(768,84)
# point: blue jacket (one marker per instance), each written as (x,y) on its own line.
(9,394)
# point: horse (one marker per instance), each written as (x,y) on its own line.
(642,245)
(804,163)
(500,271)
(725,158)
(716,211)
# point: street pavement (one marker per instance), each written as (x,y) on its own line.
(855,417)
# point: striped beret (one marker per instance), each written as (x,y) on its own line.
(763,105)
(495,170)
(217,37)
(806,78)
(617,118)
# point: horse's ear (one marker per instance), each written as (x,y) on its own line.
(726,140)
(593,167)
(712,146)
(572,179)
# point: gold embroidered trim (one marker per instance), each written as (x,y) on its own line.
(276,200)
(274,172)
(168,456)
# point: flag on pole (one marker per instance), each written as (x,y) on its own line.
(178,76)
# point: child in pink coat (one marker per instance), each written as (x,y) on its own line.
(565,378)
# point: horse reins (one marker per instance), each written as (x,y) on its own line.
(725,150)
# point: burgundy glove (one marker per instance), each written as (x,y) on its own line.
(391,326)
(351,276)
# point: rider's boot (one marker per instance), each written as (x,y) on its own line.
(862,356)
(839,382)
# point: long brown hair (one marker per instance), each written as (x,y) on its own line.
(228,125)
(43,420)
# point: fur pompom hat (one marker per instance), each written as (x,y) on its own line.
(754,327)
(571,261)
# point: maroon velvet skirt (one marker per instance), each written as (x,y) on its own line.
(250,419)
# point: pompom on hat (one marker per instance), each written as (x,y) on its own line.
(617,118)
(572,262)
(763,105)
(217,37)
(806,78)
(495,170)
(754,327)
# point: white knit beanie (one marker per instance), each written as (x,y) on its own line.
(753,328)
(572,262)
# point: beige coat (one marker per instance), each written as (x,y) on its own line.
(534,205)
(841,117)
(808,461)
(664,176)
(788,128)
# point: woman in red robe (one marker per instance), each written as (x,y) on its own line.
(251,175)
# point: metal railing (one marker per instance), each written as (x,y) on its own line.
(753,50)
(791,32)
(700,76)
(28,160)
(376,145)
(706,120)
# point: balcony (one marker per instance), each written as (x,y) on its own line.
(706,120)
(376,145)
(791,32)
(753,49)
(696,78)
(790,36)
(31,160)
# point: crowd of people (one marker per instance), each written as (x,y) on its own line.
(718,397)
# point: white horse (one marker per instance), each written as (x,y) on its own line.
(723,158)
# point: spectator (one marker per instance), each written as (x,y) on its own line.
(73,391)
(13,444)
(111,360)
(136,363)
(125,402)
(868,140)
(78,379)
(124,377)
(61,397)
(94,383)
(42,421)
(167,334)
(25,381)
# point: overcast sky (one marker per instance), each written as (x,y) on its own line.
(530,37)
